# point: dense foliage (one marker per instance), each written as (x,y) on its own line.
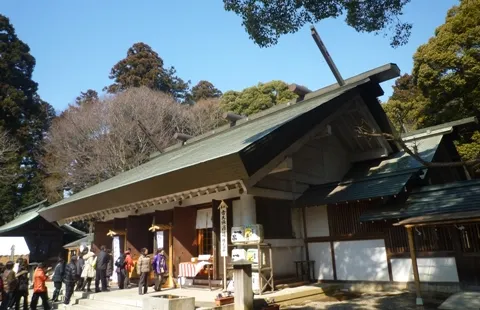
(267,20)
(24,117)
(257,98)
(445,82)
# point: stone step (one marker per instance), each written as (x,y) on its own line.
(112,299)
(104,305)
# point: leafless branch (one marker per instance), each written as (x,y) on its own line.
(91,143)
(362,131)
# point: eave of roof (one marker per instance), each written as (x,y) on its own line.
(376,179)
(450,198)
(77,243)
(19,221)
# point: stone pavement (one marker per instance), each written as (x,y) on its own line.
(462,300)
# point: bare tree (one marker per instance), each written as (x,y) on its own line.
(204,116)
(91,143)
(8,147)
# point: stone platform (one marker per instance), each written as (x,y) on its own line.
(129,299)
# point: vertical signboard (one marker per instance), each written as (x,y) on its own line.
(223,229)
(116,254)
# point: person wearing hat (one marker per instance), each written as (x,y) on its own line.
(69,278)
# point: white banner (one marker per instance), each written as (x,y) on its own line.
(223,229)
(159,236)
(116,255)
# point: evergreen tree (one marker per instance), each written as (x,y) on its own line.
(143,67)
(205,90)
(25,117)
(266,20)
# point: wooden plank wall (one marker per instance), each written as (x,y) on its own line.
(184,234)
(100,237)
(461,242)
(164,218)
(138,236)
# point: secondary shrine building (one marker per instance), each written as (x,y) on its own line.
(303,185)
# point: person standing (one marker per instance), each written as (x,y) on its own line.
(109,271)
(58,278)
(80,265)
(159,268)
(128,267)
(9,286)
(120,264)
(101,270)
(143,269)
(22,289)
(88,272)
(69,278)
(39,288)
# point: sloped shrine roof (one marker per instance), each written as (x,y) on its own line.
(214,158)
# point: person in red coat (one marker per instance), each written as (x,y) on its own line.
(128,267)
(39,288)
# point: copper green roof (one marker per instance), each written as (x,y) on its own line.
(463,196)
(19,221)
(374,179)
(228,154)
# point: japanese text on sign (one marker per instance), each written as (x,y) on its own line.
(223,229)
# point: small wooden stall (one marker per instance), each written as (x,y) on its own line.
(158,241)
(76,247)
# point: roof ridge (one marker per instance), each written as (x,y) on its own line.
(459,122)
(380,74)
(452,185)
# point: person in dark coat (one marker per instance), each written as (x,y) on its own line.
(58,278)
(9,286)
(22,289)
(101,272)
(109,271)
(121,271)
(80,264)
(69,278)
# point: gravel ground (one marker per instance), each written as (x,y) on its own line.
(399,300)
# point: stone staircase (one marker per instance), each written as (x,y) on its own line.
(89,301)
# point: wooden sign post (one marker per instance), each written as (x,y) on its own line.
(224,239)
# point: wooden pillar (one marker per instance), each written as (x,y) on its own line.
(413,256)
(305,236)
(170,259)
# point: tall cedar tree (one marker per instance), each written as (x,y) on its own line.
(205,90)
(266,20)
(25,117)
(143,67)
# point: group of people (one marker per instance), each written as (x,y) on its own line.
(14,284)
(87,267)
(145,265)
(79,272)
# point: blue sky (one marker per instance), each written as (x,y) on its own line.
(76,43)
